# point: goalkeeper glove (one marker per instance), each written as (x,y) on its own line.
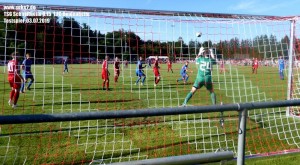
(201,51)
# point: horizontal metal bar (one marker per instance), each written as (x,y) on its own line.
(42,118)
(146,11)
(184,159)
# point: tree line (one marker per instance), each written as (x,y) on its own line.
(70,38)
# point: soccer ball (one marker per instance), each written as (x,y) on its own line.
(198,34)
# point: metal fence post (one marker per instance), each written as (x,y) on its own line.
(291,62)
(242,136)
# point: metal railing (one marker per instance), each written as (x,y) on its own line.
(241,108)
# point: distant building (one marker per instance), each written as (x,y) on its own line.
(163,59)
(159,57)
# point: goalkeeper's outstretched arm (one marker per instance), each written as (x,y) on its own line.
(201,51)
(212,55)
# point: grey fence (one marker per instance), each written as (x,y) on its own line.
(240,108)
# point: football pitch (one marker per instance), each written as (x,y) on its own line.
(105,141)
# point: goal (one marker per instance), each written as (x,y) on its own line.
(85,35)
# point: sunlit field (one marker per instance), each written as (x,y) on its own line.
(113,140)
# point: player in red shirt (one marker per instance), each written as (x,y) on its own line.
(105,74)
(15,80)
(170,65)
(222,67)
(116,69)
(254,66)
(156,72)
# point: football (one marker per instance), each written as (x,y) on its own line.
(198,34)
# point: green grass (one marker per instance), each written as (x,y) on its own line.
(140,138)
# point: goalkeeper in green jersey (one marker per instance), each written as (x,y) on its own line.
(204,62)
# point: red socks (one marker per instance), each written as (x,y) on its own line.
(14,96)
(12,93)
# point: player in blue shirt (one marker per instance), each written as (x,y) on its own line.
(26,66)
(149,62)
(183,73)
(66,66)
(281,67)
(139,71)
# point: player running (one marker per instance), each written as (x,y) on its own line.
(183,73)
(281,67)
(116,69)
(254,66)
(139,71)
(26,66)
(105,74)
(14,79)
(170,65)
(66,66)
(156,72)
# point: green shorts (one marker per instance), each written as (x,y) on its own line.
(206,81)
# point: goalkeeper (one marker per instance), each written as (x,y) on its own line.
(204,62)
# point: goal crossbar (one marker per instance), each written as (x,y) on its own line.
(152,12)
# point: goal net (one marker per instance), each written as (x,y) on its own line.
(256,60)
